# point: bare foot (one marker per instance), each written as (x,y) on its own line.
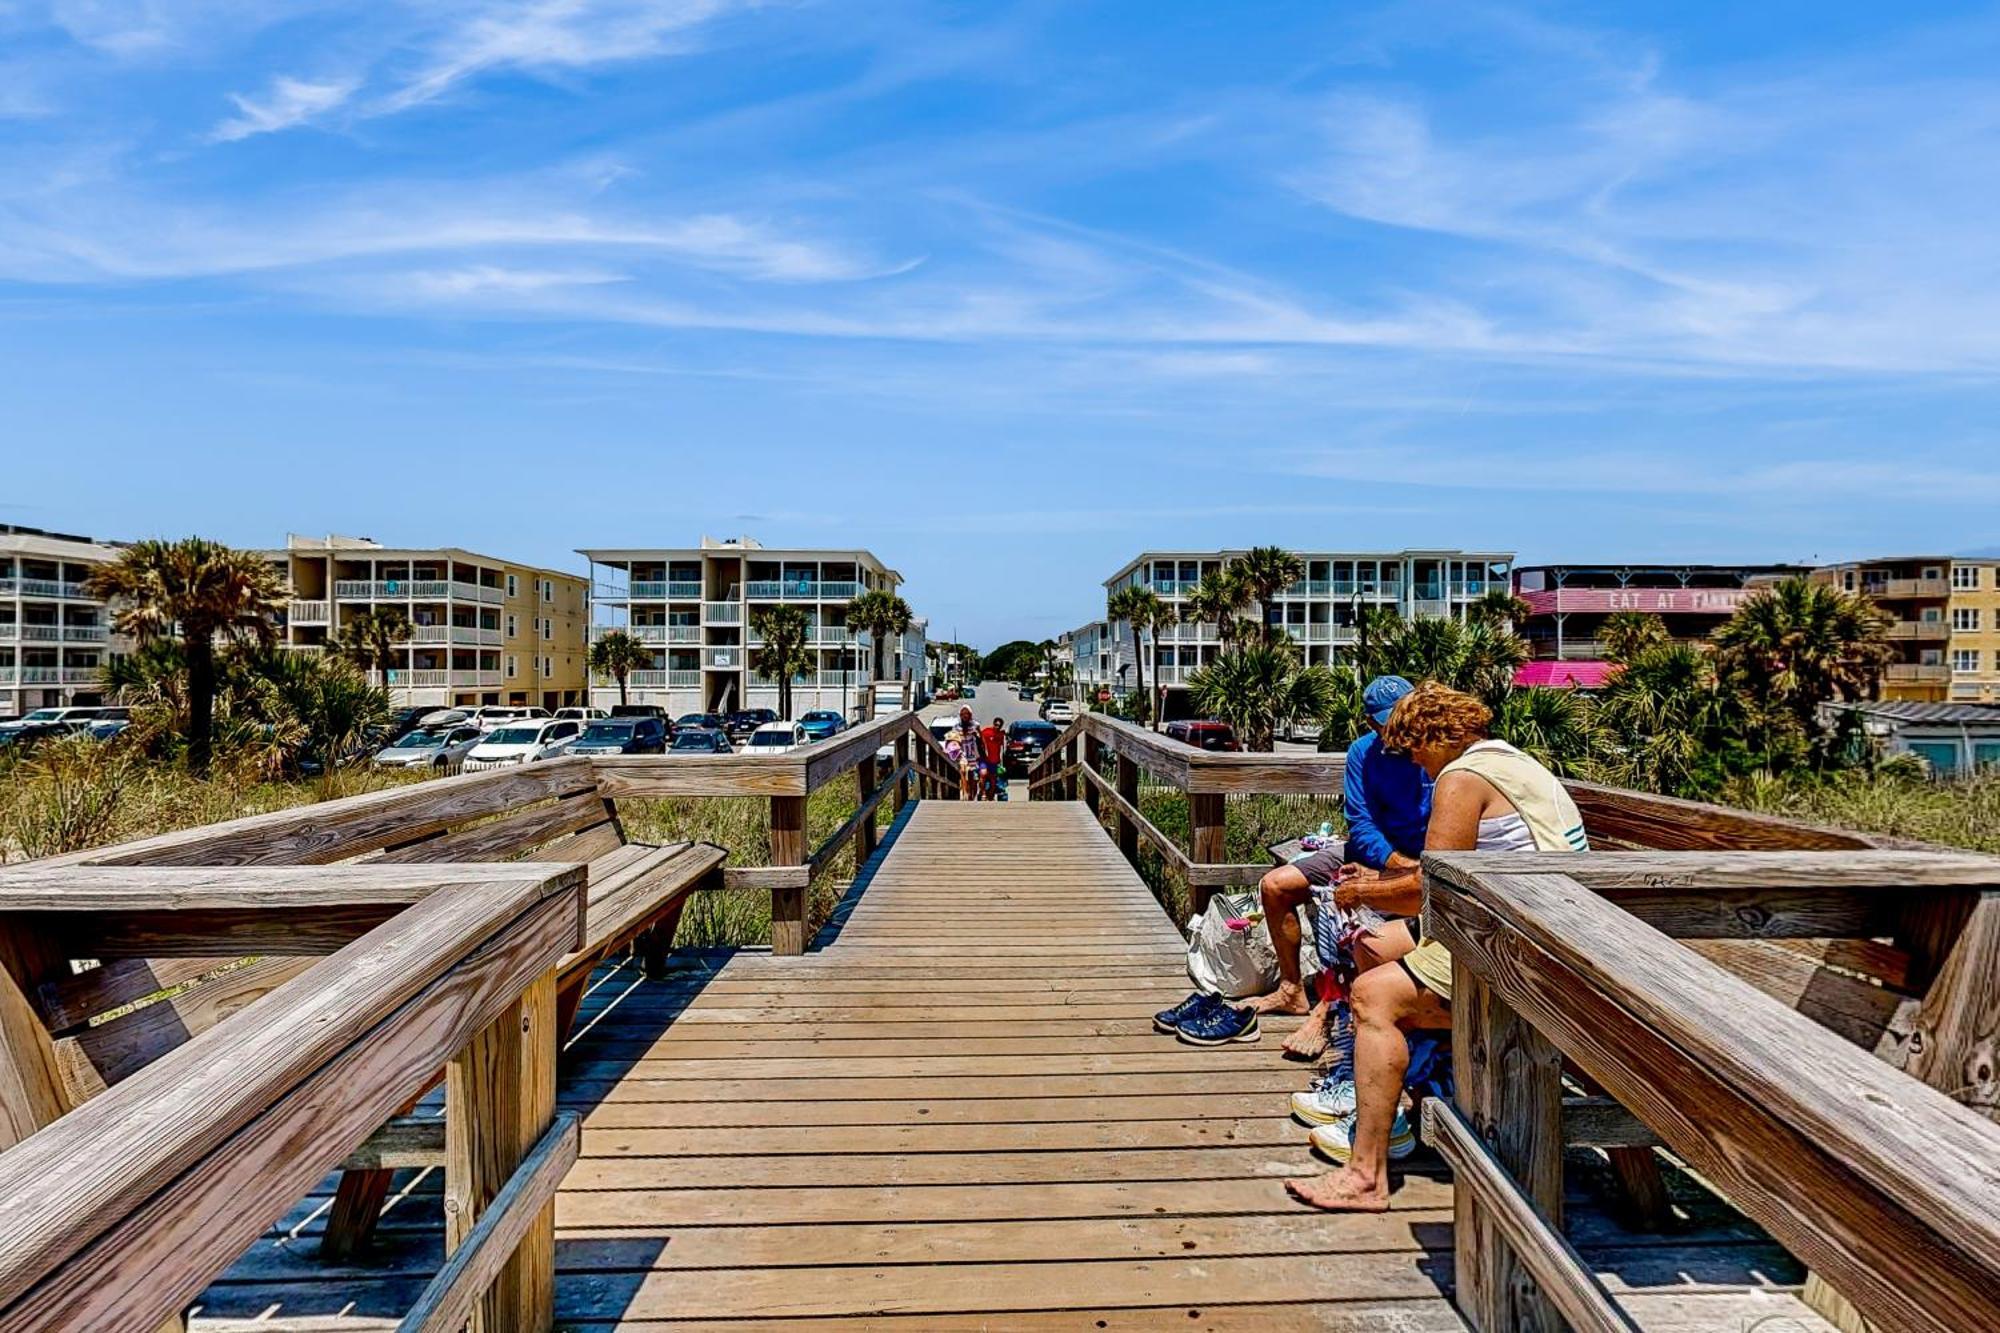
(1310,1041)
(1340,1192)
(1289,998)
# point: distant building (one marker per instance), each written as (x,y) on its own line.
(483,630)
(1320,613)
(1951,738)
(1094,656)
(54,641)
(1568,604)
(1947,630)
(693,605)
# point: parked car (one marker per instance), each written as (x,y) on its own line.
(522,742)
(66,713)
(821,723)
(777,738)
(1059,711)
(488,716)
(1025,742)
(22,736)
(700,722)
(1204,735)
(580,714)
(430,747)
(745,721)
(623,735)
(104,728)
(406,720)
(1026,692)
(640,710)
(701,740)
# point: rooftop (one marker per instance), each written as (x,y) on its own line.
(1911,711)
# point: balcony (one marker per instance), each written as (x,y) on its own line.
(45,588)
(672,590)
(1921,631)
(1430,606)
(839,590)
(469,636)
(833,634)
(671,680)
(426,678)
(308,613)
(1309,588)
(61,675)
(401,590)
(722,659)
(86,633)
(651,633)
(1918,673)
(1900,588)
(475,680)
(722,613)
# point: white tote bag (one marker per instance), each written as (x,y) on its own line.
(1239,963)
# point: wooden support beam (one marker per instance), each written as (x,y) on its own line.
(1128,794)
(1093,761)
(1208,814)
(788,848)
(902,796)
(500,1099)
(867,796)
(1509,1091)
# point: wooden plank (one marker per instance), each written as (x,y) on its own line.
(1884,1185)
(500,1100)
(32,1092)
(476,1265)
(830,758)
(402,1142)
(124,1209)
(624,904)
(795,877)
(747,775)
(72,1000)
(1533,1238)
(509,835)
(1956,1045)
(1875,1018)
(788,848)
(131,889)
(1614,815)
(859,824)
(1893,872)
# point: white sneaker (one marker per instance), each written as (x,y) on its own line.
(1336,1139)
(1325,1102)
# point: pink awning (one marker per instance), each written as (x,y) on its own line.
(1565,675)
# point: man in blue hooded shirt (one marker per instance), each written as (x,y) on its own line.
(1387,801)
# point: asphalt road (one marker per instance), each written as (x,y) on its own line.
(995,698)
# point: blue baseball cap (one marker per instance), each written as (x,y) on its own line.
(1379,699)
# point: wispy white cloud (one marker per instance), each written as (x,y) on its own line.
(289,102)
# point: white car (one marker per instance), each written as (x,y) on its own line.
(777,738)
(488,716)
(523,743)
(582,714)
(1059,711)
(430,747)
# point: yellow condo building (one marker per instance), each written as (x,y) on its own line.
(482,630)
(1947,630)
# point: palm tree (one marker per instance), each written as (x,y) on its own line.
(1266,571)
(1047,648)
(1219,600)
(204,592)
(1145,611)
(882,615)
(1497,606)
(1260,687)
(1665,723)
(617,654)
(368,638)
(1627,634)
(1554,726)
(786,652)
(1792,647)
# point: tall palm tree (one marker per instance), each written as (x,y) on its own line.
(203,591)
(1627,634)
(1800,644)
(618,654)
(883,615)
(1665,723)
(1266,571)
(1219,600)
(1259,687)
(1147,613)
(1554,726)
(1498,606)
(786,652)
(1047,647)
(368,638)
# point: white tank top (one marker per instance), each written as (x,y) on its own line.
(1505,833)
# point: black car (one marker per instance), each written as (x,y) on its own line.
(639,710)
(700,722)
(744,721)
(1025,743)
(701,740)
(622,735)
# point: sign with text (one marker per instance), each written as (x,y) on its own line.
(1654,601)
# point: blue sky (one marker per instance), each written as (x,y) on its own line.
(1005,292)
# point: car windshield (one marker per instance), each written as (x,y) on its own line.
(419,740)
(694,740)
(820,715)
(609,731)
(766,739)
(692,720)
(514,736)
(43,715)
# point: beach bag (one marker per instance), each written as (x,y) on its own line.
(1237,962)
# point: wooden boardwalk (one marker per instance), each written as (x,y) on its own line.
(954,1114)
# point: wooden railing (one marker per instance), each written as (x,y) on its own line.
(1761,995)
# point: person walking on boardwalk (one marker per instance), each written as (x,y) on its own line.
(1488,797)
(993,753)
(1387,800)
(965,737)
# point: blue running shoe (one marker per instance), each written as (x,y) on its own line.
(1219,1025)
(1170,1020)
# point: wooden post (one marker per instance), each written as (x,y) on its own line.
(1209,818)
(1128,787)
(788,848)
(1509,1081)
(32,1093)
(500,1098)
(901,796)
(1093,759)
(867,774)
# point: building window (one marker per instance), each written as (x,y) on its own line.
(510,666)
(1933,572)
(1965,617)
(1965,576)
(1965,661)
(510,627)
(548,590)
(513,588)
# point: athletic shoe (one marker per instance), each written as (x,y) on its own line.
(1328,1100)
(1170,1020)
(1336,1139)
(1219,1024)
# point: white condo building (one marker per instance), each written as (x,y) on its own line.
(54,641)
(1320,612)
(694,606)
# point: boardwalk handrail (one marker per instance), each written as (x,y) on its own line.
(1887,1187)
(120,1211)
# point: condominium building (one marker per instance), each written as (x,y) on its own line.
(1947,623)
(482,630)
(1321,612)
(695,607)
(54,641)
(1568,604)
(1095,654)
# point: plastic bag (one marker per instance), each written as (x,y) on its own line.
(1230,952)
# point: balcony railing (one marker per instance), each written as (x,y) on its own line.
(836,590)
(366,590)
(472,636)
(722,659)
(1308,588)
(722,613)
(423,678)
(1923,673)
(1907,588)
(1928,631)
(654,680)
(308,613)
(61,675)
(672,590)
(47,588)
(473,680)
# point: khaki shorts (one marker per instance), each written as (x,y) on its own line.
(1429,965)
